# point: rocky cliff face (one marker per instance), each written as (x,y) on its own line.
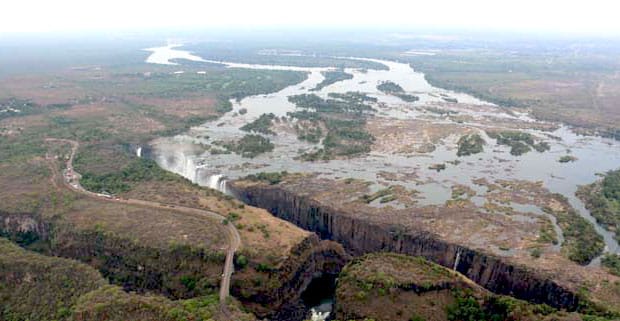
(361,236)
(23,229)
(182,271)
(177,272)
(277,296)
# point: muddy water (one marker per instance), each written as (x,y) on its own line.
(183,154)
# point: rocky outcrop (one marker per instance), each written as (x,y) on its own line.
(278,295)
(23,229)
(361,236)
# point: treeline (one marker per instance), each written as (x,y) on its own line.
(261,125)
(344,117)
(582,243)
(137,170)
(19,107)
(269,177)
(394,89)
(449,85)
(348,103)
(250,146)
(390,87)
(332,77)
(470,144)
(602,199)
(519,142)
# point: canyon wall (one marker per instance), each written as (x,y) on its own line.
(178,271)
(278,295)
(361,236)
(181,271)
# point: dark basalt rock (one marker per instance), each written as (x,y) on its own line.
(360,236)
(310,259)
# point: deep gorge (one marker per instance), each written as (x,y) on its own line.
(360,237)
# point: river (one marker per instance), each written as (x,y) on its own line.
(182,154)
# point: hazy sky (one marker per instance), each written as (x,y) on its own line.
(591,16)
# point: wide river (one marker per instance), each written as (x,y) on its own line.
(184,155)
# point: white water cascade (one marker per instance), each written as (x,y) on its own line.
(217,182)
(189,170)
(458,258)
(179,163)
(318,316)
(139,152)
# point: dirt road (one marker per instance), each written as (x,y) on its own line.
(71,181)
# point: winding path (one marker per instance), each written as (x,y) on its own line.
(71,181)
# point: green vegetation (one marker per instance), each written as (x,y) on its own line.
(241,261)
(407,97)
(113,304)
(390,87)
(233,83)
(437,167)
(555,83)
(37,287)
(232,217)
(11,107)
(223,105)
(416,289)
(440,111)
(611,185)
(386,195)
(344,117)
(311,132)
(254,52)
(602,199)
(250,146)
(462,191)
(547,233)
(332,77)
(261,125)
(582,243)
(519,142)
(612,262)
(271,178)
(352,103)
(138,170)
(567,159)
(467,308)
(111,111)
(394,89)
(470,144)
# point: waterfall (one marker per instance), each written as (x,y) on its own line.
(139,152)
(217,182)
(189,169)
(318,316)
(458,258)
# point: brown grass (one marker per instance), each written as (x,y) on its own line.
(261,233)
(42,89)
(25,186)
(155,227)
(375,281)
(409,136)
